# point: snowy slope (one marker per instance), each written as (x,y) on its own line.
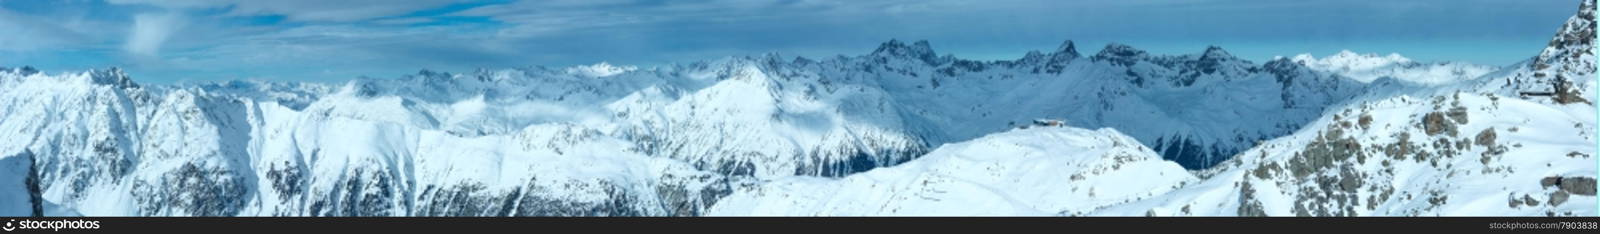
(1036,171)
(1445,154)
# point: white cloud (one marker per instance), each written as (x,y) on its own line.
(545,18)
(150,30)
(301,10)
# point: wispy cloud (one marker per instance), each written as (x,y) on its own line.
(301,10)
(150,30)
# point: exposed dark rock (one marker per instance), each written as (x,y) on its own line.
(1458,113)
(1349,180)
(1401,148)
(1573,184)
(1120,54)
(1485,138)
(1558,197)
(618,202)
(1248,205)
(1434,123)
(193,190)
(919,50)
(1322,154)
(1578,185)
(35,192)
(286,179)
(1365,121)
(465,199)
(368,193)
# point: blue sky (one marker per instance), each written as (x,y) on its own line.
(335,40)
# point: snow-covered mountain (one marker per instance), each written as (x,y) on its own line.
(1515,142)
(105,145)
(899,131)
(1370,67)
(102,145)
(1035,171)
(1196,109)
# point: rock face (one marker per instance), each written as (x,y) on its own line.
(1574,185)
(19,191)
(1562,73)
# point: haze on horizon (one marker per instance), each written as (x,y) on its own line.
(333,41)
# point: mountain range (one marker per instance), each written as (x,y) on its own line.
(902,130)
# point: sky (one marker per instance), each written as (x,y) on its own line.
(337,40)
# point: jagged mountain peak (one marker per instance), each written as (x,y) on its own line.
(1054,62)
(111,76)
(1282,65)
(1214,61)
(22,71)
(1119,49)
(916,50)
(1068,48)
(1215,53)
(431,75)
(1120,54)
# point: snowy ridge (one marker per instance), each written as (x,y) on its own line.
(1036,171)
